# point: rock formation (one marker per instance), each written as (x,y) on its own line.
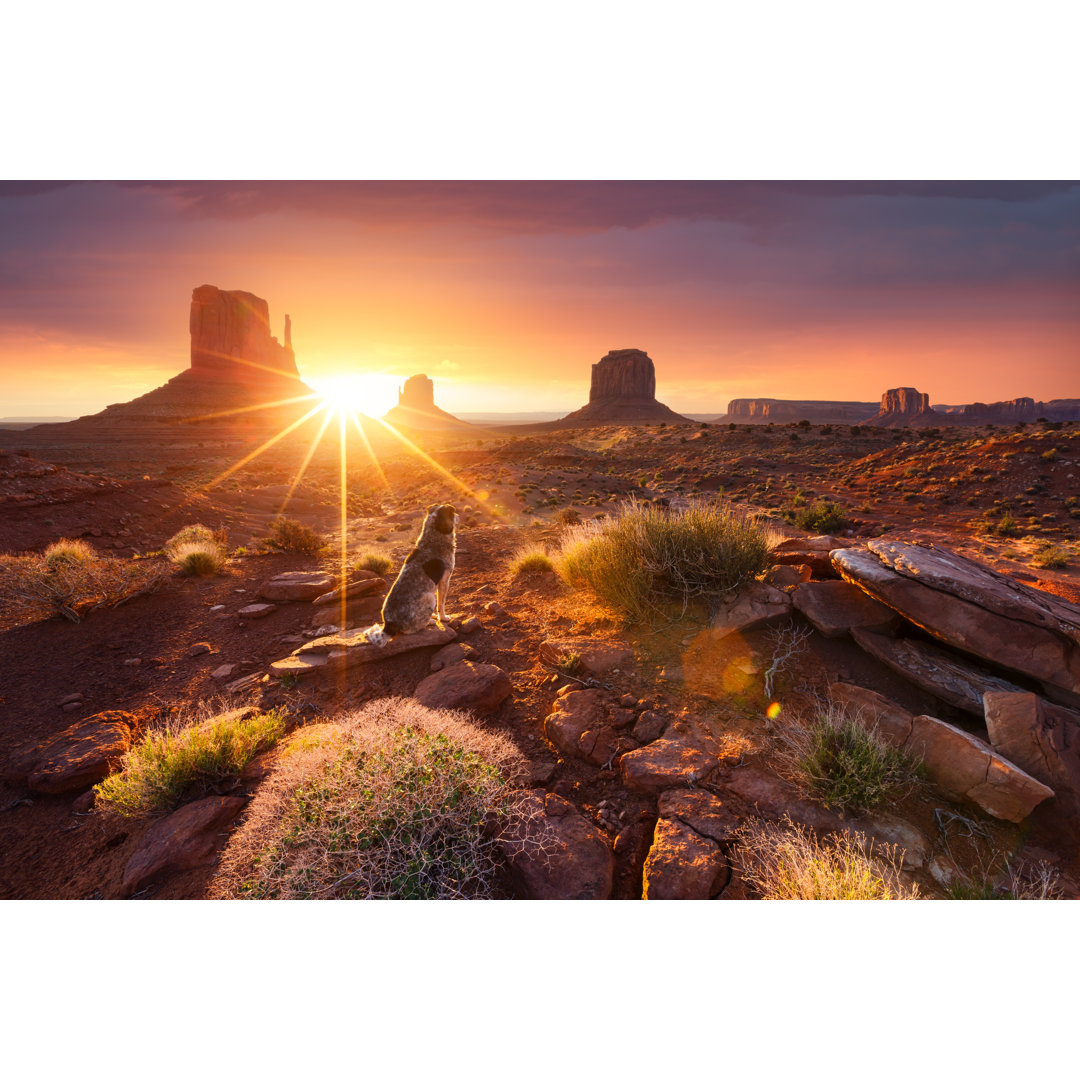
(623,390)
(902,407)
(235,364)
(416,408)
(1023,410)
(773,410)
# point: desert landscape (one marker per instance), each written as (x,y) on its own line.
(775,648)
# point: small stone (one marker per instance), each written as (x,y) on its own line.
(649,727)
(72,706)
(216,608)
(628,701)
(199,648)
(621,718)
(70,699)
(224,671)
(84,803)
(471,624)
(132,661)
(256,611)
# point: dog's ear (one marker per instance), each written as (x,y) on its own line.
(432,508)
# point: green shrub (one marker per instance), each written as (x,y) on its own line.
(788,862)
(165,763)
(1050,558)
(531,560)
(644,555)
(375,562)
(844,764)
(69,552)
(821,517)
(398,802)
(288,534)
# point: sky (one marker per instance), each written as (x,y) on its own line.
(506,292)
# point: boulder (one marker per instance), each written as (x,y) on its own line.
(972,607)
(477,688)
(812,551)
(788,575)
(968,767)
(597,657)
(555,853)
(671,761)
(838,607)
(451,654)
(874,711)
(77,757)
(297,585)
(703,812)
(960,683)
(682,864)
(755,604)
(187,838)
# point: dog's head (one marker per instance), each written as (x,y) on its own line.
(442,517)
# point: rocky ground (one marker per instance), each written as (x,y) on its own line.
(655,753)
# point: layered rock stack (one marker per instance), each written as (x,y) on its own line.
(774,410)
(236,363)
(623,390)
(416,408)
(902,407)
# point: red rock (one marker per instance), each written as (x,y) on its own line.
(597,657)
(351,647)
(554,853)
(755,604)
(187,838)
(837,607)
(574,713)
(296,585)
(77,757)
(478,688)
(649,727)
(669,762)
(901,407)
(788,575)
(451,654)
(775,798)
(701,810)
(624,389)
(874,711)
(682,864)
(256,611)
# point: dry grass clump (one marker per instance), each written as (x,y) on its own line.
(645,555)
(73,586)
(166,762)
(288,534)
(785,861)
(197,550)
(396,802)
(846,765)
(65,552)
(376,562)
(533,559)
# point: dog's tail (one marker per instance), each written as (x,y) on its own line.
(381,635)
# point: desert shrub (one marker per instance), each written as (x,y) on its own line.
(1038,881)
(821,517)
(166,762)
(531,560)
(288,534)
(74,587)
(568,516)
(375,562)
(198,560)
(784,861)
(644,555)
(66,552)
(397,802)
(834,758)
(195,534)
(1050,558)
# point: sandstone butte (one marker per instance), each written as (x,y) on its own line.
(623,389)
(416,408)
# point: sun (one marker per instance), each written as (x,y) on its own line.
(372,392)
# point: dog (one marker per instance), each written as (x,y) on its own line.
(420,588)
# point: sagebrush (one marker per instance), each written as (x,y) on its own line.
(288,534)
(645,556)
(187,753)
(396,802)
(785,861)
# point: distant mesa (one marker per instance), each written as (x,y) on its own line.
(623,390)
(1022,410)
(777,411)
(902,407)
(416,408)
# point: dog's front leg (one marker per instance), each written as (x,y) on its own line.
(441,591)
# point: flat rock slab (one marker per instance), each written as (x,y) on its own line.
(351,647)
(555,853)
(477,688)
(972,607)
(257,611)
(755,604)
(187,838)
(597,657)
(299,666)
(894,831)
(811,551)
(297,585)
(837,607)
(774,798)
(959,682)
(356,590)
(75,758)
(702,811)
(672,761)
(682,864)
